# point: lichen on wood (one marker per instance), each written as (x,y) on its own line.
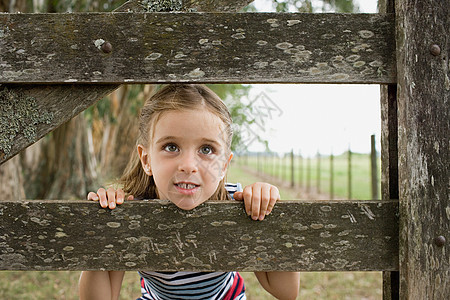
(19,114)
(161,6)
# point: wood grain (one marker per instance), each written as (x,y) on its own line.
(423,130)
(156,235)
(199,47)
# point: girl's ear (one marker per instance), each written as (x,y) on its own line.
(145,159)
(227,163)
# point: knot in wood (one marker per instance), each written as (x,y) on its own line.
(435,50)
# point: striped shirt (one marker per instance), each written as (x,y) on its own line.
(232,188)
(193,285)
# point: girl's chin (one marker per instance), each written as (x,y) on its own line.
(187,204)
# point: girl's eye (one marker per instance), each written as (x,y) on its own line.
(171,148)
(206,150)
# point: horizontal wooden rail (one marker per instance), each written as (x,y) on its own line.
(156,235)
(202,47)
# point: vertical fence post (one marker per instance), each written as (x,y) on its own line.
(285,167)
(274,164)
(349,183)
(423,48)
(280,167)
(300,169)
(265,171)
(373,168)
(331,176)
(292,168)
(257,163)
(308,174)
(318,172)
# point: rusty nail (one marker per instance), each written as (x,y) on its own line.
(439,241)
(106,47)
(435,50)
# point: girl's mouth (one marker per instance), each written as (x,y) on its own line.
(186,188)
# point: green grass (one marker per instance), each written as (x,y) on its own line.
(325,286)
(38,285)
(314,174)
(237,174)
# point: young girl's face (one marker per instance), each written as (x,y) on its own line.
(187,156)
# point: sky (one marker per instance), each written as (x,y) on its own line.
(311,118)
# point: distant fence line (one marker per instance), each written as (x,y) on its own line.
(349,175)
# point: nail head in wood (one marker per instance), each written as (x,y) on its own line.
(435,50)
(106,47)
(439,241)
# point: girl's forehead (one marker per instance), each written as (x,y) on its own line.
(189,123)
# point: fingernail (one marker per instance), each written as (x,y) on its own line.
(261,217)
(268,212)
(103,204)
(112,205)
(248,213)
(255,218)
(95,198)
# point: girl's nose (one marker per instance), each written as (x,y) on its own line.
(188,163)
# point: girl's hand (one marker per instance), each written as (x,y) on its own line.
(259,199)
(109,198)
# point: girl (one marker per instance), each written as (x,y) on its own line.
(183,153)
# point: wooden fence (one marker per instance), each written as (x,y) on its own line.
(321,174)
(55,65)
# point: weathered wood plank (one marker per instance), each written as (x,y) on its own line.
(202,47)
(155,235)
(389,156)
(28,112)
(423,43)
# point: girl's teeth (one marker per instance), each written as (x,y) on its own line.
(186,186)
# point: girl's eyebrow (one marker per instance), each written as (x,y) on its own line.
(209,141)
(171,138)
(166,138)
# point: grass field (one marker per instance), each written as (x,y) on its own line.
(314,174)
(314,285)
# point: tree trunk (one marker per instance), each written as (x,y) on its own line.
(12,180)
(66,168)
(119,135)
(13,6)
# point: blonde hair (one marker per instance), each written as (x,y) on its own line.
(173,97)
